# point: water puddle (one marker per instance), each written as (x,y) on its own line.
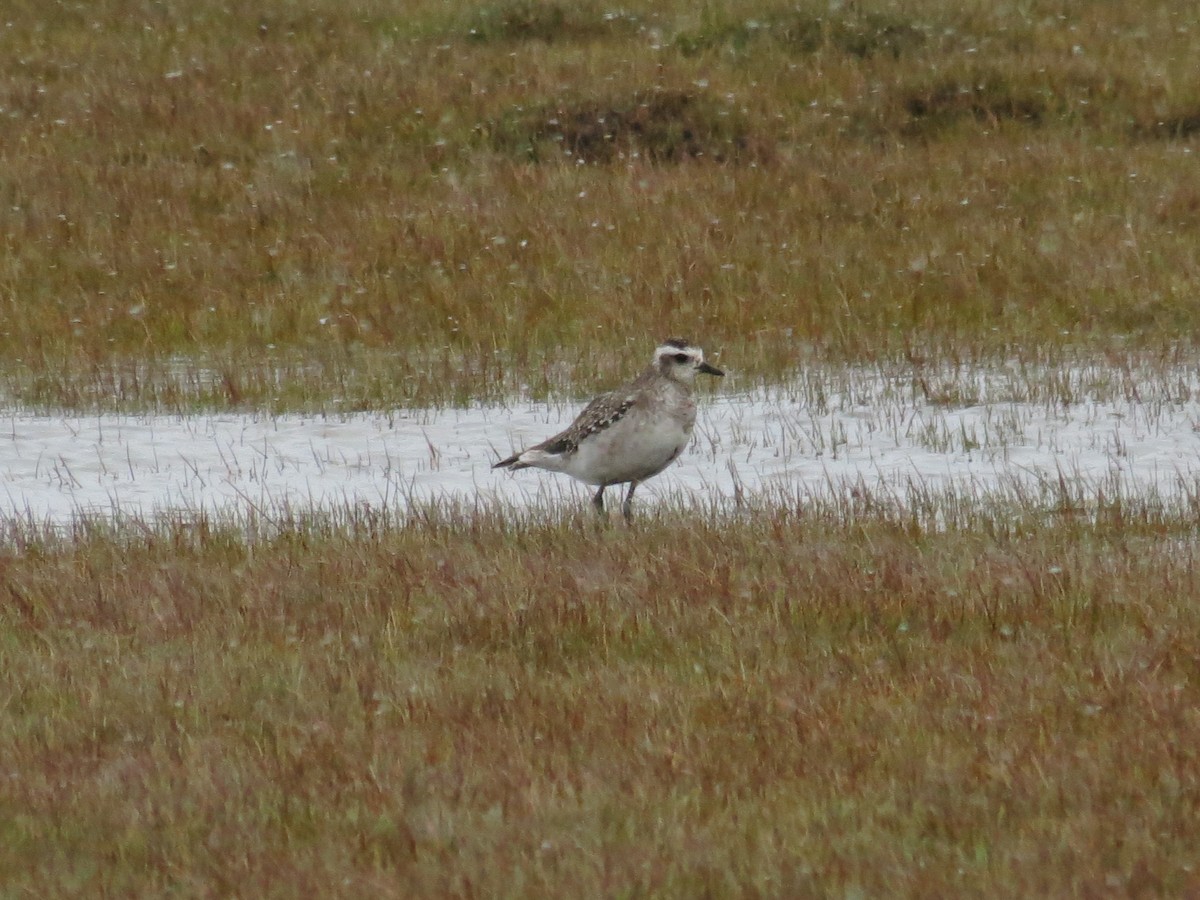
(813,437)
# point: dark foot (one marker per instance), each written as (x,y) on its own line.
(598,501)
(627,506)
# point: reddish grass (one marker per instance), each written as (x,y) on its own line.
(779,705)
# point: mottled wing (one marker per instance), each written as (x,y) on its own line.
(596,416)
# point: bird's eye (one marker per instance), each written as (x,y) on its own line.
(682,358)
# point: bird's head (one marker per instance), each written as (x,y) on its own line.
(678,359)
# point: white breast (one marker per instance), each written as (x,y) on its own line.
(643,443)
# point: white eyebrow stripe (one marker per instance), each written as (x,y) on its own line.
(671,350)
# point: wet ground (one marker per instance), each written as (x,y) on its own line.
(855,430)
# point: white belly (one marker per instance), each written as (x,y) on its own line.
(633,449)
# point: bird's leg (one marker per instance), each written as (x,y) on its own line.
(627,506)
(598,500)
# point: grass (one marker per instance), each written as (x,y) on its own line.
(339,206)
(797,703)
(363,192)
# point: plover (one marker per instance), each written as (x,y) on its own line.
(630,434)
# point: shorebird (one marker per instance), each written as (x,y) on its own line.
(630,434)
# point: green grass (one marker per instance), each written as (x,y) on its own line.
(794,702)
(355,205)
(363,191)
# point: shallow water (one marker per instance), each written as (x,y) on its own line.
(805,439)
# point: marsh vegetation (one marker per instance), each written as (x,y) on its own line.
(324,208)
